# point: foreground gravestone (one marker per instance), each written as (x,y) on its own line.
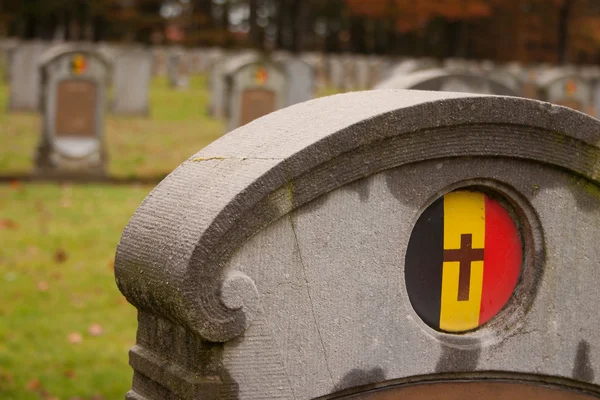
(445,81)
(374,245)
(74,85)
(24,77)
(254,90)
(132,76)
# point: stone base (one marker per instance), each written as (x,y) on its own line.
(51,164)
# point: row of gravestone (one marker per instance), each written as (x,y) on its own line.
(129,72)
(575,88)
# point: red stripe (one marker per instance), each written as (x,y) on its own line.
(502,259)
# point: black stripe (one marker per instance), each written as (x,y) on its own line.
(423,264)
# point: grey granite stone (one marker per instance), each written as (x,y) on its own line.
(23,66)
(132,75)
(270,265)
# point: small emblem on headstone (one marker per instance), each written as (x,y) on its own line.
(571,87)
(463,261)
(78,64)
(261,76)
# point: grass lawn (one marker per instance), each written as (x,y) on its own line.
(65,328)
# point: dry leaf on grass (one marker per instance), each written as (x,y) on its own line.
(42,286)
(6,223)
(60,256)
(95,330)
(75,338)
(34,385)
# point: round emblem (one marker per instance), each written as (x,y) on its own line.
(78,64)
(261,75)
(463,261)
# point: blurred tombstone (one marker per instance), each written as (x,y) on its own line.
(567,89)
(374,246)
(445,81)
(196,57)
(24,76)
(255,89)
(218,101)
(316,60)
(74,86)
(178,68)
(362,66)
(409,66)
(301,81)
(7,48)
(376,71)
(159,55)
(132,76)
(336,72)
(349,79)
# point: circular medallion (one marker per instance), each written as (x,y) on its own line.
(463,261)
(78,64)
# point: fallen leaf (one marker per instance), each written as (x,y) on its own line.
(6,223)
(42,286)
(75,338)
(60,256)
(95,330)
(15,184)
(111,264)
(34,385)
(69,373)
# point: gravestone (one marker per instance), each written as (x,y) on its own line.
(159,55)
(567,89)
(132,76)
(24,77)
(444,81)
(178,69)
(74,85)
(374,245)
(336,72)
(254,89)
(217,106)
(349,80)
(363,67)
(301,78)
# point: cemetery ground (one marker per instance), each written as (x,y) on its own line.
(65,329)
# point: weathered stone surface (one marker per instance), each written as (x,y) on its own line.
(24,77)
(270,265)
(74,86)
(444,81)
(132,75)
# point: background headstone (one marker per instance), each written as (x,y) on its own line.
(159,55)
(24,77)
(132,76)
(566,89)
(273,263)
(73,104)
(255,89)
(301,81)
(442,80)
(178,68)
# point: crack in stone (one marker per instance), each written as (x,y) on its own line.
(312,308)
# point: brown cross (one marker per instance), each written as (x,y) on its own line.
(465,255)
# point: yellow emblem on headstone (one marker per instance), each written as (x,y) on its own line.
(78,64)
(261,76)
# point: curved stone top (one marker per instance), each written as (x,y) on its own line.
(547,78)
(170,260)
(432,79)
(69,48)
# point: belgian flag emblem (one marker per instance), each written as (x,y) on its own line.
(78,64)
(261,76)
(463,261)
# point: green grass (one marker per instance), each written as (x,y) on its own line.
(137,146)
(46,299)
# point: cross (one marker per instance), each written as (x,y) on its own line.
(465,255)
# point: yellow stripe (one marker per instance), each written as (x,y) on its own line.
(464,213)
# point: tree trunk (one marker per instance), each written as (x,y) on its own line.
(563,30)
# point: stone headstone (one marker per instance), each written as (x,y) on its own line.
(349,78)
(159,55)
(178,69)
(336,72)
(24,77)
(132,76)
(254,90)
(375,245)
(362,66)
(74,85)
(218,85)
(301,78)
(567,89)
(444,81)
(7,48)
